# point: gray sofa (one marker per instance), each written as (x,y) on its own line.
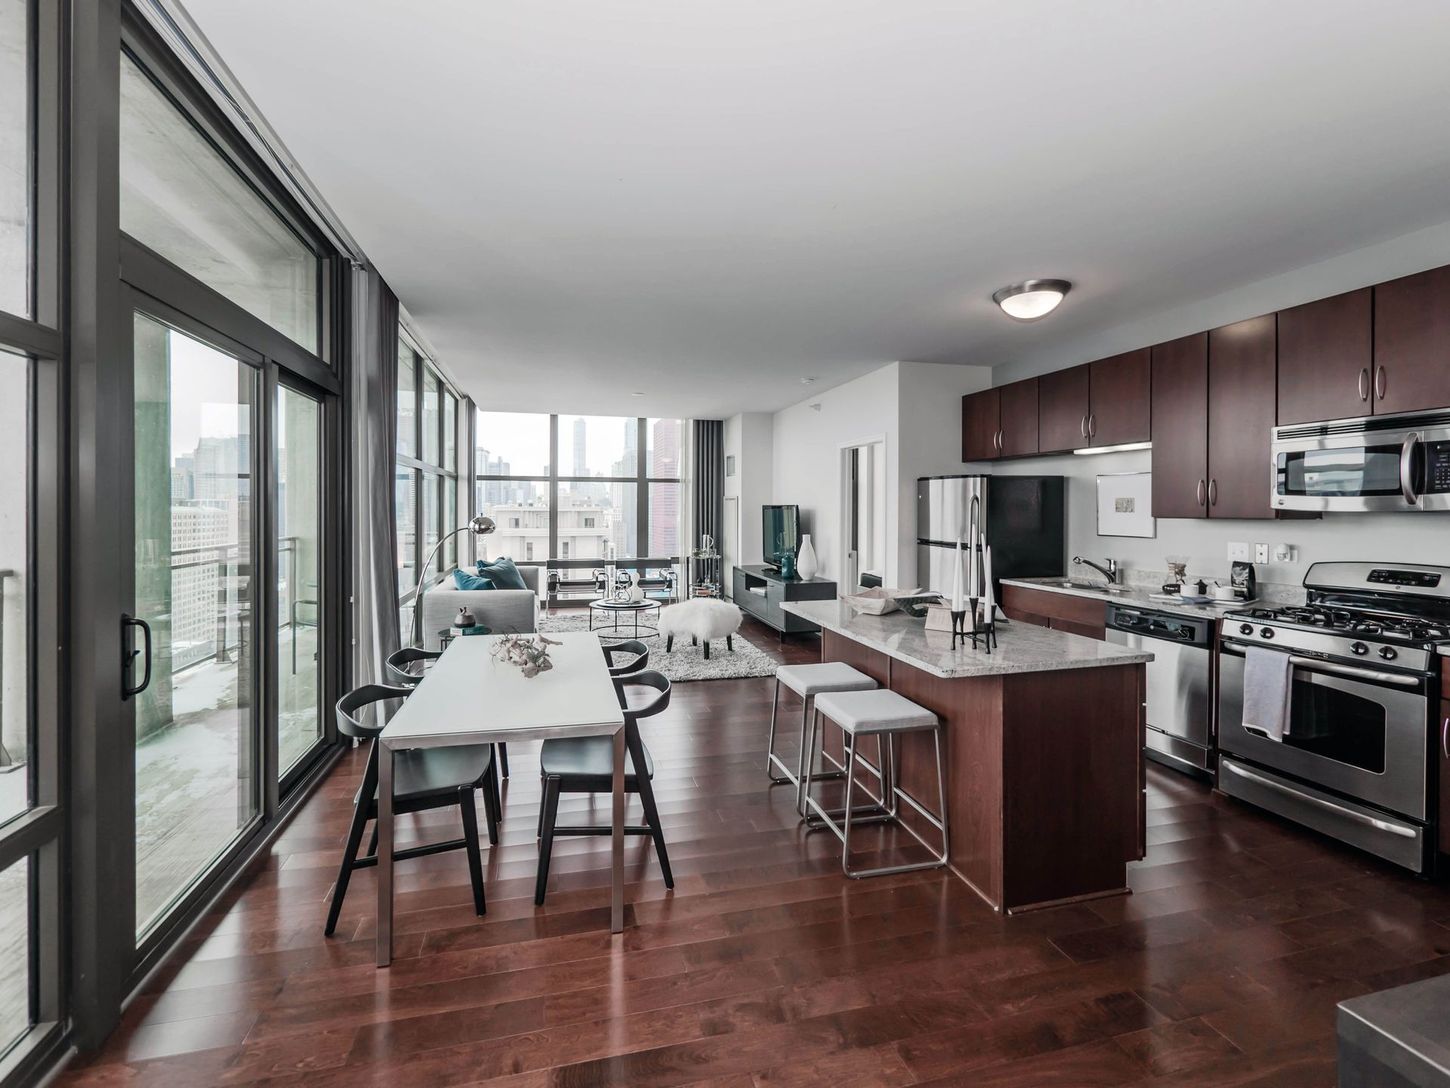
(505,611)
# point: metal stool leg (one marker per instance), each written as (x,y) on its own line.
(771,759)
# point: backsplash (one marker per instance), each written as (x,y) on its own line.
(1403,538)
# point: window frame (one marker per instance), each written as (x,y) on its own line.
(642,479)
(440,476)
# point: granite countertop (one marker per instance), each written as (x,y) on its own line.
(1021,647)
(1139,596)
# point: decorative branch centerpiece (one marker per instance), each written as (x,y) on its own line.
(528,652)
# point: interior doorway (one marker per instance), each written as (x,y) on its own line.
(863,513)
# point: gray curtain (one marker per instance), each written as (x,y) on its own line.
(373,425)
(708,501)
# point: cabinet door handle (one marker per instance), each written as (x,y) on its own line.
(1212,492)
(1092,424)
(1364,384)
(1201,500)
(1445,738)
(1381,383)
(1083,425)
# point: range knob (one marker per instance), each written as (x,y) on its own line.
(1359,649)
(1246,628)
(1266,632)
(1388,653)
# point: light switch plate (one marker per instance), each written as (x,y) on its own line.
(1261,553)
(1238,551)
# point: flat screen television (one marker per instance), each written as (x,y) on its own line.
(782,533)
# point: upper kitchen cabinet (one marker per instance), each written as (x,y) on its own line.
(1017,436)
(1120,408)
(981,422)
(1326,359)
(1180,428)
(1064,401)
(1241,393)
(1412,342)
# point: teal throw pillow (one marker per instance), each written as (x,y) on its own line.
(502,573)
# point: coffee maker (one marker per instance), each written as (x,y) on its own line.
(1243,580)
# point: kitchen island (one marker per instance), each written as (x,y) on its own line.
(1043,749)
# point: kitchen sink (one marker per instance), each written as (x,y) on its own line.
(1096,587)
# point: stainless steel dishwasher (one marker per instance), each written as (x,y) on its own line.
(1180,703)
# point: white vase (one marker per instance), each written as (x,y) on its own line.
(806,564)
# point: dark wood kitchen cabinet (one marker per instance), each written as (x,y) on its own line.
(1442,742)
(1064,400)
(1412,342)
(1326,359)
(1017,431)
(1180,428)
(981,419)
(1241,398)
(1120,407)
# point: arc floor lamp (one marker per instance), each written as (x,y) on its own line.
(480,527)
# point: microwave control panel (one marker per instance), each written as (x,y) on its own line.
(1437,467)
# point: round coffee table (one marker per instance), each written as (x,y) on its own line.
(610,613)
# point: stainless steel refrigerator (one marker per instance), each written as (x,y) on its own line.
(1024,519)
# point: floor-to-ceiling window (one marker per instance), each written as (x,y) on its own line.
(578,490)
(425,492)
(32,992)
(234,583)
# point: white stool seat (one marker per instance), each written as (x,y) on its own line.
(877,711)
(807,680)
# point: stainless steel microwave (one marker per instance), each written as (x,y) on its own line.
(1362,465)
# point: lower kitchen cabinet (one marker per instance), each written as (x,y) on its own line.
(1060,611)
(1442,742)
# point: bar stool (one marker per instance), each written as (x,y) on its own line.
(883,714)
(808,681)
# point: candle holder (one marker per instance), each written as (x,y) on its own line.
(959,628)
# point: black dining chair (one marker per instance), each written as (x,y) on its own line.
(407,668)
(586,765)
(626,657)
(423,780)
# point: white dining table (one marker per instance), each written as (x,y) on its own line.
(471,697)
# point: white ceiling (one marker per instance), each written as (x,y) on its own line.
(707,202)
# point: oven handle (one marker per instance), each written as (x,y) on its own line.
(1407,468)
(1314,664)
(1279,787)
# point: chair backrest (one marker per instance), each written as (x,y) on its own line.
(348,722)
(657,681)
(626,657)
(400,663)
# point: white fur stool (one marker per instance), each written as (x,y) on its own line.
(703,619)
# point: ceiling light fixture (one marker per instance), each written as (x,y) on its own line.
(1031,299)
(807,381)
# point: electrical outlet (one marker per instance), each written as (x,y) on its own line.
(1238,552)
(1261,553)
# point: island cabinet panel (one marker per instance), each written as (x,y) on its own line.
(1043,775)
(1443,744)
(1060,611)
(1017,436)
(1121,405)
(1064,401)
(1180,429)
(1326,359)
(981,422)
(1241,397)
(1412,342)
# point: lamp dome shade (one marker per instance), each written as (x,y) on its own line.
(1031,299)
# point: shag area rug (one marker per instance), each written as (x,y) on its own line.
(686,662)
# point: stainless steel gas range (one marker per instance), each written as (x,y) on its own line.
(1355,760)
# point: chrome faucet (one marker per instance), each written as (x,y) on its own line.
(1110,572)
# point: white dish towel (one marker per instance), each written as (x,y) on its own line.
(1268,679)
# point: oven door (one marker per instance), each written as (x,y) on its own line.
(1351,730)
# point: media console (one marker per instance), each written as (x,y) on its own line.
(760,591)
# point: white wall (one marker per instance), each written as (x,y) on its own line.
(749,438)
(1423,538)
(808,440)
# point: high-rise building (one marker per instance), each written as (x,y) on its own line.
(664,499)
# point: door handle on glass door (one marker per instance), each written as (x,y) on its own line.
(128,655)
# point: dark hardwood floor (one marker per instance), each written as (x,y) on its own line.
(765,967)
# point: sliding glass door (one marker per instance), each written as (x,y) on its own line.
(298,505)
(196,743)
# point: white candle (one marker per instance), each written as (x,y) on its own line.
(972,558)
(957,603)
(990,596)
